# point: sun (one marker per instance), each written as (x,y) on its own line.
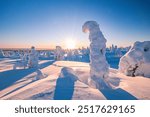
(70,44)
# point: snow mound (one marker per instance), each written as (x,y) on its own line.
(136,62)
(67,72)
(40,75)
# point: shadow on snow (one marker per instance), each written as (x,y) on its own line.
(8,78)
(117,94)
(65,86)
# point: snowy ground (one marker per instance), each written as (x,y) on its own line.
(21,83)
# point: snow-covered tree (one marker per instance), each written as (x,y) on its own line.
(14,54)
(33,58)
(23,62)
(1,54)
(118,52)
(84,51)
(136,62)
(48,54)
(59,53)
(98,64)
(112,48)
(69,55)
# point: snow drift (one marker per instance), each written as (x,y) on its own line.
(136,62)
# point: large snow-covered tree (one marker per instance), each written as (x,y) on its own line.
(136,62)
(33,58)
(58,53)
(98,64)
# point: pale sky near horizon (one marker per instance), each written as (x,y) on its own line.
(47,23)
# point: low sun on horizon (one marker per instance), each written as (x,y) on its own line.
(70,44)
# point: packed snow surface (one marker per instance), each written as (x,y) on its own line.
(65,80)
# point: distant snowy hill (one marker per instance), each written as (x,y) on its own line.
(66,80)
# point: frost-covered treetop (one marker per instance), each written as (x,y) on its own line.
(90,26)
(58,47)
(33,47)
(95,34)
(33,51)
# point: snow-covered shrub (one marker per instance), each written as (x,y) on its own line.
(59,53)
(136,62)
(40,75)
(33,58)
(98,64)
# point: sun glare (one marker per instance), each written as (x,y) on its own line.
(70,44)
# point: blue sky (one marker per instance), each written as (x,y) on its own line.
(47,23)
